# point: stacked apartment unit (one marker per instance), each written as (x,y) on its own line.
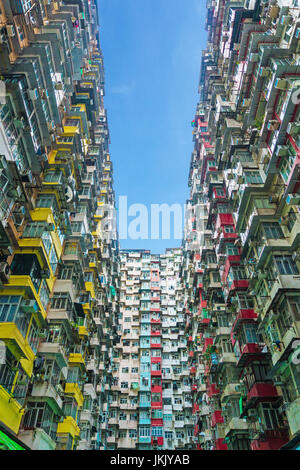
(151,405)
(241,270)
(58,259)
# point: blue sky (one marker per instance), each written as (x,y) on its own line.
(152,51)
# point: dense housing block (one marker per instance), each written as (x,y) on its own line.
(58,270)
(241,266)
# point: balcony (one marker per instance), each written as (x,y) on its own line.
(217,418)
(68,426)
(271,439)
(11,410)
(47,390)
(18,345)
(250,351)
(244,315)
(73,389)
(261,390)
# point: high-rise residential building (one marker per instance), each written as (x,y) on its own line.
(58,270)
(109,349)
(241,268)
(151,395)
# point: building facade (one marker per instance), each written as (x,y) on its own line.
(152,402)
(59,266)
(240,271)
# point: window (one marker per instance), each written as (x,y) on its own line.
(231,250)
(34,230)
(250,334)
(292,217)
(272,230)
(10,311)
(270,416)
(229,229)
(285,265)
(253,177)
(245,302)
(33,338)
(144,431)
(156,431)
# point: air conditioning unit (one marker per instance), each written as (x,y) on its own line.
(281,84)
(4,272)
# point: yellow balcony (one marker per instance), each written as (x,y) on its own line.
(68,426)
(89,286)
(35,246)
(18,345)
(76,359)
(11,411)
(19,284)
(73,389)
(82,330)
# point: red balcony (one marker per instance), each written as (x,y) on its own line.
(156,404)
(155,360)
(221,445)
(192,370)
(196,430)
(273,439)
(190,339)
(262,390)
(159,440)
(195,408)
(212,390)
(245,315)
(231,260)
(207,342)
(155,321)
(217,418)
(156,422)
(250,352)
(241,284)
(194,388)
(224,219)
(156,373)
(156,389)
(155,345)
(191,354)
(156,333)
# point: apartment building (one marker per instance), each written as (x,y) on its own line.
(58,263)
(151,404)
(240,269)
